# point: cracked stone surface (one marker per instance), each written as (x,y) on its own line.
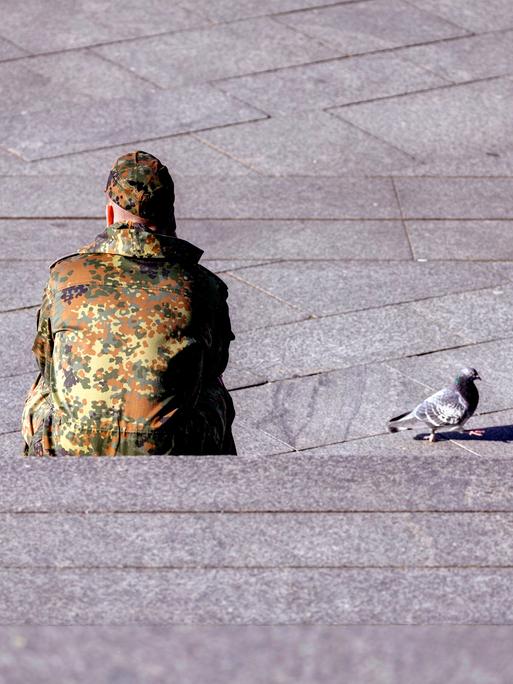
(346,166)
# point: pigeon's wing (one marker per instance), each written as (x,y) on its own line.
(444,408)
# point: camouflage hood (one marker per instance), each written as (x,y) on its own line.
(134,240)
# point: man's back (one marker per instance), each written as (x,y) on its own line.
(133,337)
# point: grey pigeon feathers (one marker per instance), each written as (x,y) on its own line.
(450,407)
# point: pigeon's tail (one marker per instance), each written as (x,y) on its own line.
(404,418)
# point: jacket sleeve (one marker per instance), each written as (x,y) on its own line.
(221,333)
(225,336)
(37,404)
(37,400)
(215,331)
(43,342)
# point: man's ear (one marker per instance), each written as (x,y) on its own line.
(109,214)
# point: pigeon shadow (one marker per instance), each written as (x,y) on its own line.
(496,433)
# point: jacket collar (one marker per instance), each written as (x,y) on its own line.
(134,240)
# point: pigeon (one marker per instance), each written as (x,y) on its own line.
(450,407)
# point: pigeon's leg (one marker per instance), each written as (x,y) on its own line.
(431,437)
(476,433)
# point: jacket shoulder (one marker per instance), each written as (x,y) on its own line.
(211,281)
(68,257)
(78,258)
(77,268)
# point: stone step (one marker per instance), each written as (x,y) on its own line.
(296,654)
(256,596)
(286,482)
(256,540)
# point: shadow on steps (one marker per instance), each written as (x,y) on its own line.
(495,433)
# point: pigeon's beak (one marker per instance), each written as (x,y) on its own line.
(478,377)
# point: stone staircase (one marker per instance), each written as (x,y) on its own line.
(282,539)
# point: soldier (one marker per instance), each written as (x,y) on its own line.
(132,336)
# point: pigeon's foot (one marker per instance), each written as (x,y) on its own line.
(476,433)
(430,438)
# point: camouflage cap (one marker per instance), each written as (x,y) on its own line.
(139,183)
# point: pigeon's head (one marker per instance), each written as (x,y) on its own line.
(467,374)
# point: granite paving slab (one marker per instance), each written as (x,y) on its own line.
(60,79)
(295,197)
(456,198)
(251,596)
(466,59)
(63,26)
(466,240)
(235,377)
(349,286)
(256,540)
(304,144)
(58,196)
(369,26)
(328,407)
(13,390)
(460,120)
(344,340)
(252,654)
(44,240)
(11,443)
(506,268)
(267,239)
(21,284)
(478,166)
(326,84)
(474,15)
(253,441)
(239,47)
(436,479)
(477,316)
(251,308)
(16,357)
(50,132)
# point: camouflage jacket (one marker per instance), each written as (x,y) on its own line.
(132,340)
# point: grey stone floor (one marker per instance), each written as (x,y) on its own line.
(347,166)
(258,655)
